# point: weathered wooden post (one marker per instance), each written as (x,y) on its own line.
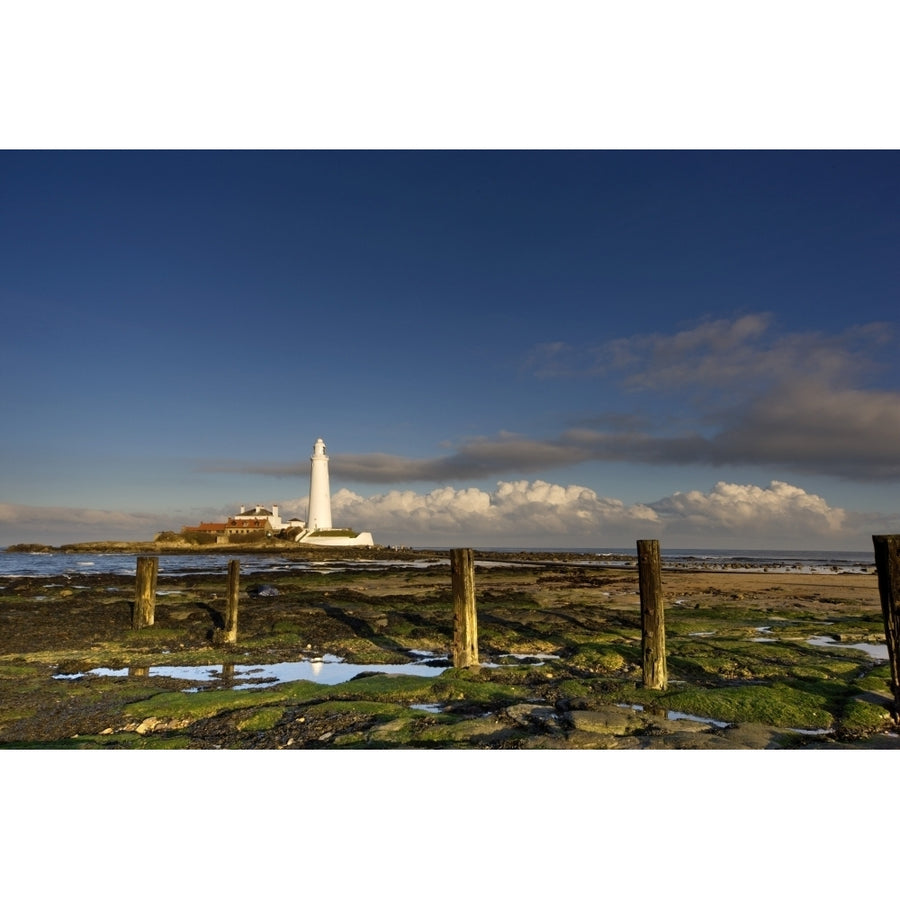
(887,562)
(465,622)
(145,591)
(653,628)
(229,635)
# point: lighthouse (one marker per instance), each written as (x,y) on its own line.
(318,517)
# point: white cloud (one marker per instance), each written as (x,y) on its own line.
(524,514)
(537,513)
(778,512)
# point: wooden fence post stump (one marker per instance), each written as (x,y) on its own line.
(653,629)
(145,591)
(887,562)
(231,601)
(465,622)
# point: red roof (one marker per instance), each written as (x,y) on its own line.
(247,523)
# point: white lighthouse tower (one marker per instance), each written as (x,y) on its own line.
(318,517)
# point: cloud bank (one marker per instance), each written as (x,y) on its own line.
(745,393)
(725,392)
(536,513)
(523,514)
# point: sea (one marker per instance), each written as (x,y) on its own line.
(48,564)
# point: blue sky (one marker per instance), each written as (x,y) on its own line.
(557,348)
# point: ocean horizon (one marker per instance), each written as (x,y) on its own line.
(49,563)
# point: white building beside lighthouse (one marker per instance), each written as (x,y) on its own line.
(319,529)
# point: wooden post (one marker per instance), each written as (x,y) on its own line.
(465,621)
(887,562)
(653,629)
(145,591)
(231,601)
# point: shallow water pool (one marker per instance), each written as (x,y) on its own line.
(325,669)
(876,651)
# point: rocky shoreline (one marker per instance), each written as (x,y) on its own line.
(560,646)
(292,549)
(185,547)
